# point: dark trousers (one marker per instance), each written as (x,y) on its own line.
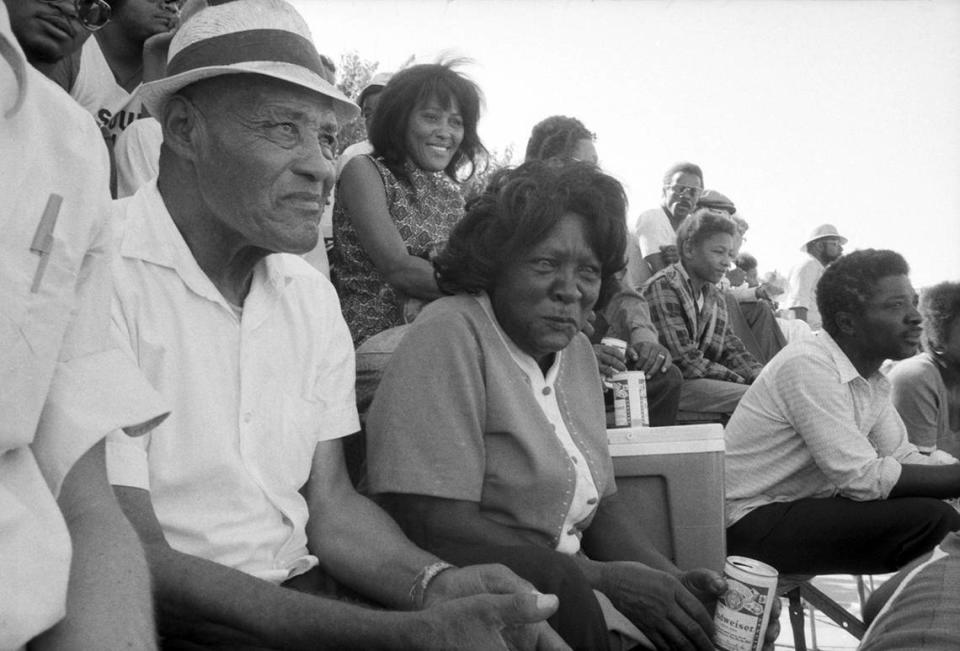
(578,620)
(841,536)
(756,326)
(663,397)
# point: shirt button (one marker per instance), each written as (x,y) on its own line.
(247,417)
(592,500)
(546,391)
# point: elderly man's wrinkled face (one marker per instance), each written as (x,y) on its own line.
(542,299)
(47,30)
(681,194)
(265,163)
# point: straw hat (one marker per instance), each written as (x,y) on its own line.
(261,37)
(822,231)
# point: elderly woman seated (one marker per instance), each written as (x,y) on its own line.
(486,439)
(558,140)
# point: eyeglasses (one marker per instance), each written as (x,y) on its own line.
(93,14)
(688,190)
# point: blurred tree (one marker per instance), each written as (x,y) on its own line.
(497,160)
(354,73)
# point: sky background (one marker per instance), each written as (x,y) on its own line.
(802,112)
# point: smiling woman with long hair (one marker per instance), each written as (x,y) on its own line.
(395,207)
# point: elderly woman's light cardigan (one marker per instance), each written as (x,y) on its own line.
(455,418)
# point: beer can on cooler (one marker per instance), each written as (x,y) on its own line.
(620,345)
(630,399)
(743,611)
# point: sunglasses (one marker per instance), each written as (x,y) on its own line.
(93,14)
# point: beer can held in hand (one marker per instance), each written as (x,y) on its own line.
(630,399)
(743,611)
(620,345)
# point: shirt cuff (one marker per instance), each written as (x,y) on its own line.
(127,463)
(89,397)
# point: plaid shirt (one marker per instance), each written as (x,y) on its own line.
(702,345)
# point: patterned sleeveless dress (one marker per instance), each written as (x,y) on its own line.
(424,211)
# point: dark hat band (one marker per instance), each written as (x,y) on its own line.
(276,45)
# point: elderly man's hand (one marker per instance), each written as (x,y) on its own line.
(649,357)
(522,625)
(659,605)
(489,622)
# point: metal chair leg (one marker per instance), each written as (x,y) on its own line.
(795,601)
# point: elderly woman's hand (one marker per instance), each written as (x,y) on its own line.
(707,586)
(659,605)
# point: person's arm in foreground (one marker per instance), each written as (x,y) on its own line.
(188,586)
(108,598)
(362,193)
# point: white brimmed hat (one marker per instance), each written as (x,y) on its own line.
(261,37)
(376,84)
(822,231)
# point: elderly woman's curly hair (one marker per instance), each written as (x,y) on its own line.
(850,281)
(518,210)
(411,87)
(940,308)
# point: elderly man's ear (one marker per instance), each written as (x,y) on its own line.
(182,130)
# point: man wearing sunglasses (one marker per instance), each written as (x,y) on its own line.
(50,30)
(654,242)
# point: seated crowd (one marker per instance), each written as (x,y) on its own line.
(210,444)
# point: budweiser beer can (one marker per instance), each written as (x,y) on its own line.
(630,399)
(743,611)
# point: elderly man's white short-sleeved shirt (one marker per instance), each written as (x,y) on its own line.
(253,392)
(63,383)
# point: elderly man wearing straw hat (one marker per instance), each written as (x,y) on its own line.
(823,246)
(241,498)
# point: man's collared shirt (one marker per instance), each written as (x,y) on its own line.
(63,383)
(697,335)
(253,394)
(811,426)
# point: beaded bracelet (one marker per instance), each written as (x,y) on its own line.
(418,591)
